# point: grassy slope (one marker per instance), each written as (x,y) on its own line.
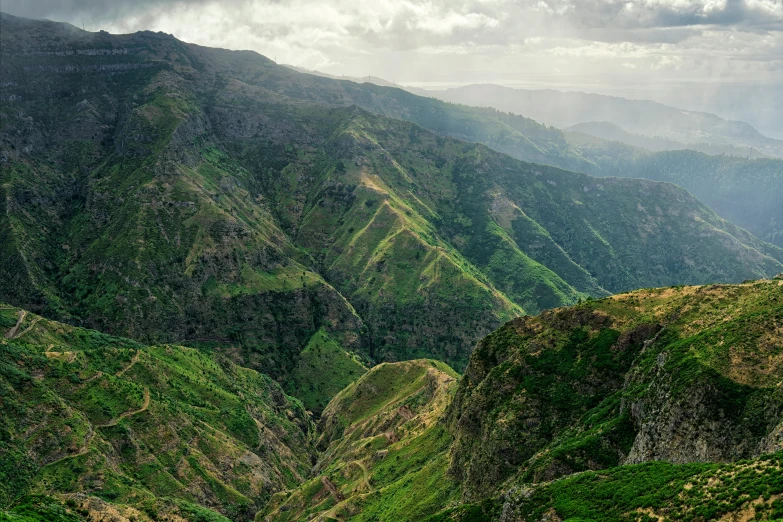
(84,412)
(323,369)
(654,491)
(746,192)
(202,198)
(162,237)
(678,374)
(385,451)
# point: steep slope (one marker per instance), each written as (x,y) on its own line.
(687,374)
(507,127)
(175,193)
(95,419)
(323,369)
(124,213)
(654,491)
(511,131)
(660,404)
(385,450)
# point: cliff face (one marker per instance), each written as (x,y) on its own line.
(679,375)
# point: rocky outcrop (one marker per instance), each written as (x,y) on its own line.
(677,375)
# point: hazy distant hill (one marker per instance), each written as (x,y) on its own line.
(738,181)
(611,132)
(643,117)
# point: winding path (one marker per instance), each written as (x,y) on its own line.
(91,432)
(133,361)
(10,334)
(32,324)
(366,474)
(130,413)
(82,451)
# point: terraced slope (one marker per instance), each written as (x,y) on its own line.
(108,425)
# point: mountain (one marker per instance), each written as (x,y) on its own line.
(715,180)
(686,374)
(724,167)
(384,450)
(178,194)
(747,192)
(113,427)
(611,132)
(375,80)
(642,117)
(664,403)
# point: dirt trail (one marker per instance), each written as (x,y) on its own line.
(133,361)
(366,474)
(127,414)
(97,375)
(32,324)
(91,433)
(10,334)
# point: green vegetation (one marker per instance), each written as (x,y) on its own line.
(660,404)
(385,451)
(684,374)
(201,197)
(654,491)
(112,425)
(214,199)
(324,368)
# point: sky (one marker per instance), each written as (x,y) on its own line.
(724,55)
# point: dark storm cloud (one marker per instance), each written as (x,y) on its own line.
(96,10)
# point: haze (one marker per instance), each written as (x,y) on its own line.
(721,56)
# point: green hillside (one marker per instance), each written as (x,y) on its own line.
(679,374)
(654,491)
(384,450)
(212,198)
(323,369)
(659,404)
(92,418)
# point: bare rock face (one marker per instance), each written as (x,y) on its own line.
(695,427)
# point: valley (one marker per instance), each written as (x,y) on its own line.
(236,291)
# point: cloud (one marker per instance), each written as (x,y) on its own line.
(587,42)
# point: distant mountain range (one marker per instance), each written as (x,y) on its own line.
(741,182)
(640,117)
(663,126)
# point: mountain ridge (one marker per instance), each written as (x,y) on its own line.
(213,198)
